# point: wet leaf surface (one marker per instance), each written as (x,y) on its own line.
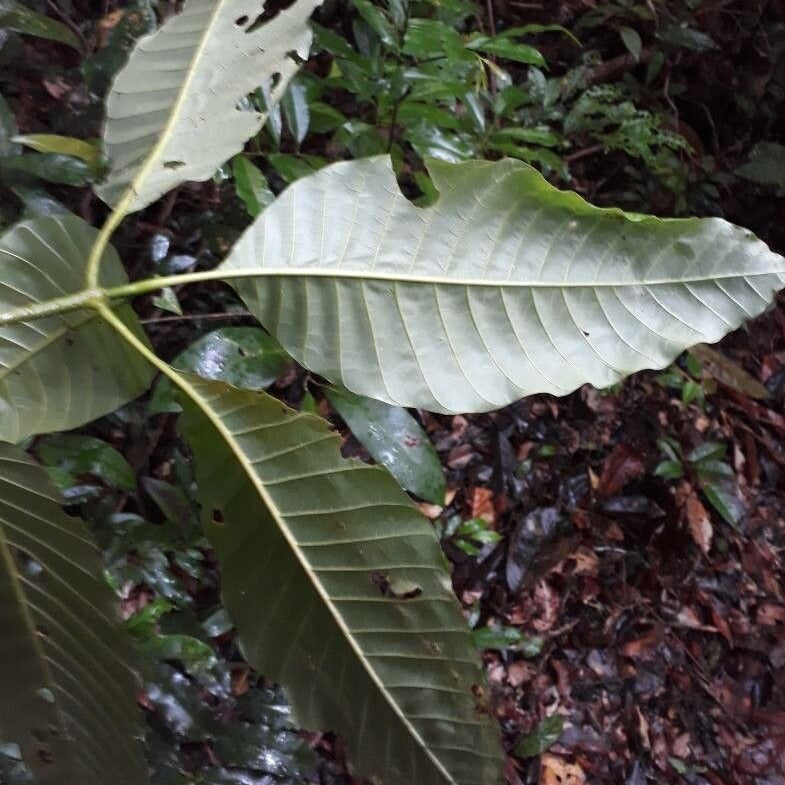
(395,439)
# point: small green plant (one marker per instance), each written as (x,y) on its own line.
(706,466)
(503,287)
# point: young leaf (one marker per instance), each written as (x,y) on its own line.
(395,439)
(503,288)
(64,673)
(328,558)
(61,371)
(543,736)
(172,112)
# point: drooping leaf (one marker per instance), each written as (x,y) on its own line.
(181,87)
(66,688)
(23,20)
(337,587)
(66,145)
(61,371)
(395,439)
(503,288)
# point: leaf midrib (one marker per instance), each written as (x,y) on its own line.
(155,153)
(289,272)
(294,546)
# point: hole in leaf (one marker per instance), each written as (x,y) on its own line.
(241,21)
(218,517)
(271,9)
(173,164)
(294,56)
(398,588)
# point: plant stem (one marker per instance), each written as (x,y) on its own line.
(102,241)
(68,302)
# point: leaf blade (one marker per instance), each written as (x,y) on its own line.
(65,676)
(503,288)
(61,371)
(337,588)
(188,77)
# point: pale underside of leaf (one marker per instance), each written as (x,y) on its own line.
(172,113)
(67,688)
(503,288)
(338,589)
(63,370)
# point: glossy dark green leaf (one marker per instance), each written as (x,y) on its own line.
(393,438)
(432,142)
(260,748)
(545,735)
(292,167)
(325,118)
(377,21)
(295,109)
(78,455)
(412,111)
(23,20)
(52,167)
(251,185)
(245,357)
(724,498)
(508,49)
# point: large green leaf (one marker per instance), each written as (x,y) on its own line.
(63,370)
(172,113)
(505,287)
(338,589)
(66,689)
